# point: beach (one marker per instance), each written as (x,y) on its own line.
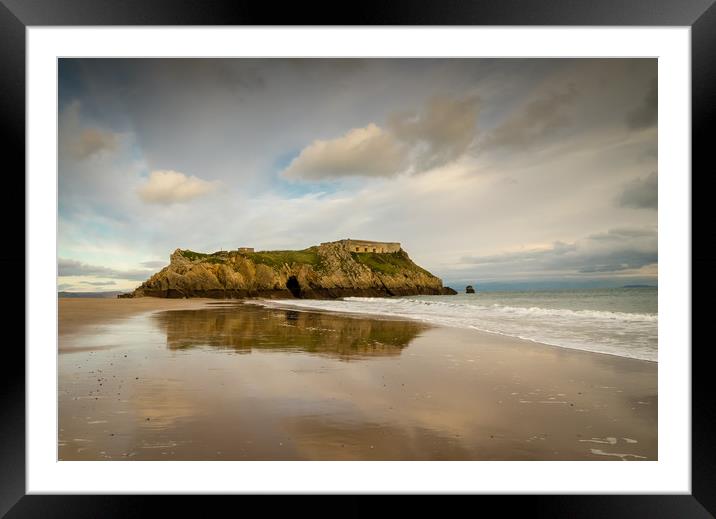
(191,379)
(77,314)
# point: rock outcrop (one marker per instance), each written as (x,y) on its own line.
(322,272)
(469,289)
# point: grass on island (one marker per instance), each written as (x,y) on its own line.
(274,258)
(277,258)
(191,255)
(387,262)
(216,257)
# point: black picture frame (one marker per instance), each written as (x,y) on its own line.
(699,15)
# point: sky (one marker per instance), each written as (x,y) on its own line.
(489,172)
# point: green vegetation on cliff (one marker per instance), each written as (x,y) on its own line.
(387,263)
(191,255)
(215,257)
(273,258)
(278,258)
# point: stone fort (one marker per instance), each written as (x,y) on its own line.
(367,246)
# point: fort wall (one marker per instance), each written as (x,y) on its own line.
(367,246)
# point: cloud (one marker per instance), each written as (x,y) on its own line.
(69,267)
(154,264)
(92,141)
(646,114)
(368,151)
(168,187)
(441,133)
(541,117)
(80,140)
(641,193)
(617,250)
(410,141)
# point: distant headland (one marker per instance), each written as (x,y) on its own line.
(330,270)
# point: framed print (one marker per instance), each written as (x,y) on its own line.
(435,252)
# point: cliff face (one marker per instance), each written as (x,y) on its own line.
(323,272)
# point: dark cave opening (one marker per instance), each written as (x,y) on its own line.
(293,286)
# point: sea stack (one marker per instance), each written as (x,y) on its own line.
(469,289)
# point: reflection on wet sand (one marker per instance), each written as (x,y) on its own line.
(245,327)
(310,386)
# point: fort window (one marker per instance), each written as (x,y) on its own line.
(365,249)
(357,249)
(373,249)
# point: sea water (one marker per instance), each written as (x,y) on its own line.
(616,321)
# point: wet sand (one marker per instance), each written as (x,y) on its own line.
(76,313)
(157,379)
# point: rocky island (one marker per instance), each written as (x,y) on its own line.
(330,270)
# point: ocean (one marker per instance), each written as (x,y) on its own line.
(615,321)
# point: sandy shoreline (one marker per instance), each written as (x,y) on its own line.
(309,385)
(75,313)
